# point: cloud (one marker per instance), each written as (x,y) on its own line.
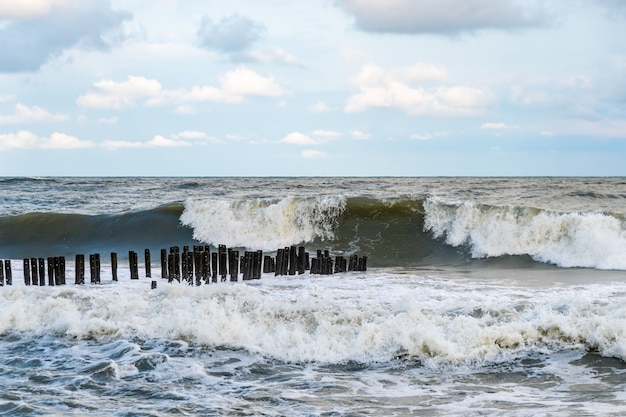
(273,56)
(28,140)
(297,138)
(311,153)
(441,16)
(494,126)
(234,33)
(108,94)
(320,107)
(326,134)
(25,114)
(360,135)
(235,87)
(38,30)
(392,89)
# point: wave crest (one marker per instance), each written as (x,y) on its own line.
(592,240)
(263,223)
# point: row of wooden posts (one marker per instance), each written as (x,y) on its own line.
(198,266)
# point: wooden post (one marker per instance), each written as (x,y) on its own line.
(50,264)
(364,263)
(34,270)
(314,266)
(1,273)
(279,262)
(79,267)
(153,285)
(233,264)
(164,272)
(147,263)
(214,266)
(8,273)
(41,264)
(133,261)
(301,260)
(97,267)
(197,264)
(206,265)
(26,271)
(183,264)
(292,260)
(114,265)
(223,259)
(257,257)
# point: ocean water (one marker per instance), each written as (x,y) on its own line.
(483,296)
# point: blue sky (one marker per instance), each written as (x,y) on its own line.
(315,87)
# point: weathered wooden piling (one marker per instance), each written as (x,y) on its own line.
(94,268)
(8,272)
(79,269)
(233,264)
(114,266)
(133,264)
(1,273)
(223,259)
(164,271)
(206,265)
(147,263)
(26,271)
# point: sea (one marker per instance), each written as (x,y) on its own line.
(482,296)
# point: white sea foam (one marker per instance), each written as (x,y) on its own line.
(361,318)
(594,240)
(263,223)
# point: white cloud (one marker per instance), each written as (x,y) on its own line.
(108,121)
(243,82)
(328,134)
(28,140)
(108,94)
(191,134)
(185,109)
(360,135)
(490,125)
(391,89)
(441,16)
(27,9)
(63,141)
(25,114)
(274,56)
(162,142)
(311,153)
(235,87)
(157,141)
(320,107)
(297,138)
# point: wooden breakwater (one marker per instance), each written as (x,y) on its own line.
(197,266)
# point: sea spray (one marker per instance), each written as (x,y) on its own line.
(265,224)
(592,240)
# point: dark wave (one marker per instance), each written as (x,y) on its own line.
(405,231)
(54,234)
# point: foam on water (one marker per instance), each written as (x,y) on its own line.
(579,239)
(264,224)
(362,318)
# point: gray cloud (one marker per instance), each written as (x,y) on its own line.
(27,44)
(232,34)
(449,17)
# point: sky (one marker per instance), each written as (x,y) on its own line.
(313,88)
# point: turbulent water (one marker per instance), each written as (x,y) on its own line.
(499,296)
